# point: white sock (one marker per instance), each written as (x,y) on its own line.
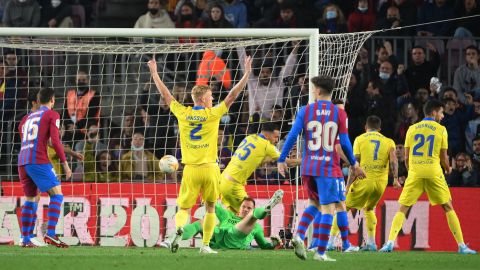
(371,240)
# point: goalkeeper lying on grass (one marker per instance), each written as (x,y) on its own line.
(235,231)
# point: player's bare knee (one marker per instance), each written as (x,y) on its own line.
(340,207)
(31,199)
(55,191)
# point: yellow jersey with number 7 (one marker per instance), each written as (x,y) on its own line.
(374,151)
(198,131)
(425,139)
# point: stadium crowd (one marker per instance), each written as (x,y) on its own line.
(387,84)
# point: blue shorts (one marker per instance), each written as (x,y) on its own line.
(42,175)
(330,190)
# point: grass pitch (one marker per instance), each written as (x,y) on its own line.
(105,258)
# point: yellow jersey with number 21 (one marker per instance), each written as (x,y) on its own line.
(425,139)
(198,131)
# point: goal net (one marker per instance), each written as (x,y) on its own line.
(112,114)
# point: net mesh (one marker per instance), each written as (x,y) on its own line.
(113,115)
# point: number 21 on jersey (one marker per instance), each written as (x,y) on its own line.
(322,135)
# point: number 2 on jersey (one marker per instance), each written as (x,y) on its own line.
(194,131)
(322,135)
(421,141)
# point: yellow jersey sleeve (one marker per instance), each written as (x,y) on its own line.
(176,108)
(356,146)
(444,138)
(272,151)
(220,109)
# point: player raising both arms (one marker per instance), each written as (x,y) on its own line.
(426,147)
(237,230)
(322,121)
(198,140)
(36,171)
(254,150)
(375,153)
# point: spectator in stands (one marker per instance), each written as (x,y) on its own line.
(407,12)
(56,13)
(106,171)
(420,99)
(466,28)
(455,121)
(216,17)
(379,104)
(187,18)
(467,77)
(432,12)
(21,13)
(161,136)
(420,71)
(472,130)
(139,164)
(286,18)
(156,17)
(82,106)
(408,116)
(355,105)
(402,168)
(90,148)
(476,158)
(393,85)
(463,173)
(121,139)
(383,53)
(211,67)
(393,19)
(224,153)
(236,13)
(450,92)
(14,71)
(265,89)
(298,95)
(332,20)
(363,18)
(13,97)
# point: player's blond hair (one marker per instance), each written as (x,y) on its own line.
(198,91)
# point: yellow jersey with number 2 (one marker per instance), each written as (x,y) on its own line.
(198,131)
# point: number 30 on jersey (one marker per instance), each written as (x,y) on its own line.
(322,135)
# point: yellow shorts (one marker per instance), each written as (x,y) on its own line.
(232,194)
(199,179)
(436,188)
(365,193)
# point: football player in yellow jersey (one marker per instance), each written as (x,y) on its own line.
(254,150)
(426,147)
(375,153)
(198,141)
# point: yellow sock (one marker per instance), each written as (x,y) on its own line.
(335,230)
(396,226)
(371,221)
(454,225)
(181,218)
(208,226)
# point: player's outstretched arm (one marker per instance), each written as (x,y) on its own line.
(290,141)
(237,88)
(162,88)
(292,162)
(444,161)
(407,156)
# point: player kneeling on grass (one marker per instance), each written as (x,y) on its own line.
(235,231)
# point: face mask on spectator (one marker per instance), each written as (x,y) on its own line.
(383,75)
(331,15)
(392,19)
(186,17)
(362,9)
(82,87)
(56,3)
(134,148)
(153,11)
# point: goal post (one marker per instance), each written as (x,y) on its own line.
(112,114)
